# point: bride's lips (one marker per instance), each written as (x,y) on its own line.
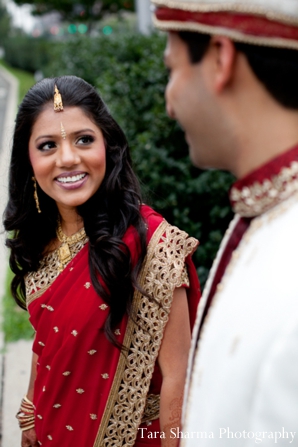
(71,180)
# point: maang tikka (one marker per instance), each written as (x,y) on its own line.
(58,104)
(63,132)
(35,195)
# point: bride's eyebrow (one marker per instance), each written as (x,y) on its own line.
(44,136)
(82,131)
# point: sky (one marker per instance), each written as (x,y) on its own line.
(21,15)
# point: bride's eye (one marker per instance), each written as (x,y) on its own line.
(85,139)
(46,146)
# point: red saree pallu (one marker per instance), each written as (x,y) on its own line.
(87,392)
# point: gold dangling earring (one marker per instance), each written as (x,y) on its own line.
(35,195)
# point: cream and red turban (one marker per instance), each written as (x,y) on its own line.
(262,22)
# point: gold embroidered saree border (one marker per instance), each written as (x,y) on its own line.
(160,275)
(38,282)
(126,342)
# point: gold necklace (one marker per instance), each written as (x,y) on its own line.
(64,252)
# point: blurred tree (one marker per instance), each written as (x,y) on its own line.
(76,10)
(5,22)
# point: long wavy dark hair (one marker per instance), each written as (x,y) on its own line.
(107,214)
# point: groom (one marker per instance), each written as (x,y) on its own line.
(233,87)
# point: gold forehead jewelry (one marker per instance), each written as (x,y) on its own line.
(63,132)
(58,104)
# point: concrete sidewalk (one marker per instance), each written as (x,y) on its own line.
(15,358)
(17,364)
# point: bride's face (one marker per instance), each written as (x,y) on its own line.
(68,156)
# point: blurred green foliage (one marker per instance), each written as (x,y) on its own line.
(130,75)
(15,321)
(5,22)
(88,10)
(26,52)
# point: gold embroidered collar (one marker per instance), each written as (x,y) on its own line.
(49,269)
(267,186)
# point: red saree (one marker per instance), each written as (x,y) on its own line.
(86,393)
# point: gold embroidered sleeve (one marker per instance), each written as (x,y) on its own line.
(184,279)
(161,273)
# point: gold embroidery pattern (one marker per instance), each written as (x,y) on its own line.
(80,391)
(184,278)
(160,275)
(38,282)
(151,411)
(44,306)
(103,306)
(258,198)
(244,7)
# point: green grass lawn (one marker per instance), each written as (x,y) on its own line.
(15,320)
(26,80)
